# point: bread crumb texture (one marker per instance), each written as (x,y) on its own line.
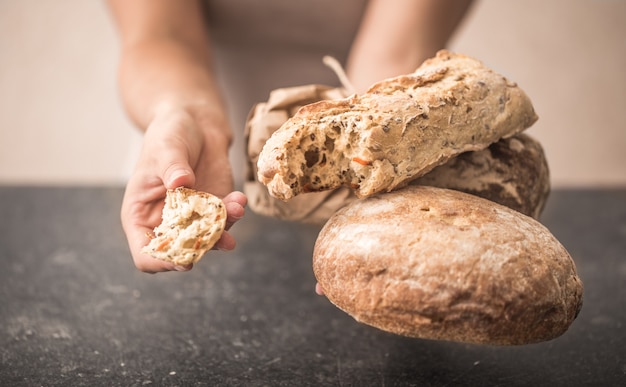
(192,222)
(441,264)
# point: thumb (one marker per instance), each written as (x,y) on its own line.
(178,174)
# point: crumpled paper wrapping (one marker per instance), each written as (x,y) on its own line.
(264,119)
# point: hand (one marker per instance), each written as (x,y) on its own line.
(178,150)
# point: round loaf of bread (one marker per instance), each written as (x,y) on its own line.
(513,172)
(440,264)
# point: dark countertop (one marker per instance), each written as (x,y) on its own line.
(75,312)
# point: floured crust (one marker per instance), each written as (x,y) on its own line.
(513,172)
(440,264)
(192,222)
(398,131)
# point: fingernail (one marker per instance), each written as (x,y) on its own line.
(175,176)
(181,268)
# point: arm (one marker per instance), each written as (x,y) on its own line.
(165,60)
(395,37)
(168,90)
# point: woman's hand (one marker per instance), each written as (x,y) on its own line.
(168,90)
(179,149)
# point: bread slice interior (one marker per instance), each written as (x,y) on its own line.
(192,222)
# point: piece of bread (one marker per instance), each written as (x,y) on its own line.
(440,264)
(513,172)
(192,222)
(399,130)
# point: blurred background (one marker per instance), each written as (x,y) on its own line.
(61,120)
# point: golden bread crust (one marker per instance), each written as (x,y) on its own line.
(441,264)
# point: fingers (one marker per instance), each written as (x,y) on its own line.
(235,203)
(318,289)
(178,174)
(148,264)
(226,242)
(172,167)
(170,144)
(137,239)
(236,197)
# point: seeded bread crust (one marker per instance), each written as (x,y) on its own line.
(513,171)
(397,131)
(440,264)
(192,222)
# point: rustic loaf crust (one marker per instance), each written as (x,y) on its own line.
(441,264)
(192,222)
(399,130)
(513,172)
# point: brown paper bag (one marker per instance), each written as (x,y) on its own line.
(264,119)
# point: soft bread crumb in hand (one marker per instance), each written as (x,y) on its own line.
(192,222)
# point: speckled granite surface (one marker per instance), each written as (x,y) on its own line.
(75,312)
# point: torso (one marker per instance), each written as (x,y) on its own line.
(263,45)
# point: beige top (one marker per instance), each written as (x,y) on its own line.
(260,46)
(263,45)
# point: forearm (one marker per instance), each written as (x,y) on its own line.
(166,61)
(160,76)
(396,37)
